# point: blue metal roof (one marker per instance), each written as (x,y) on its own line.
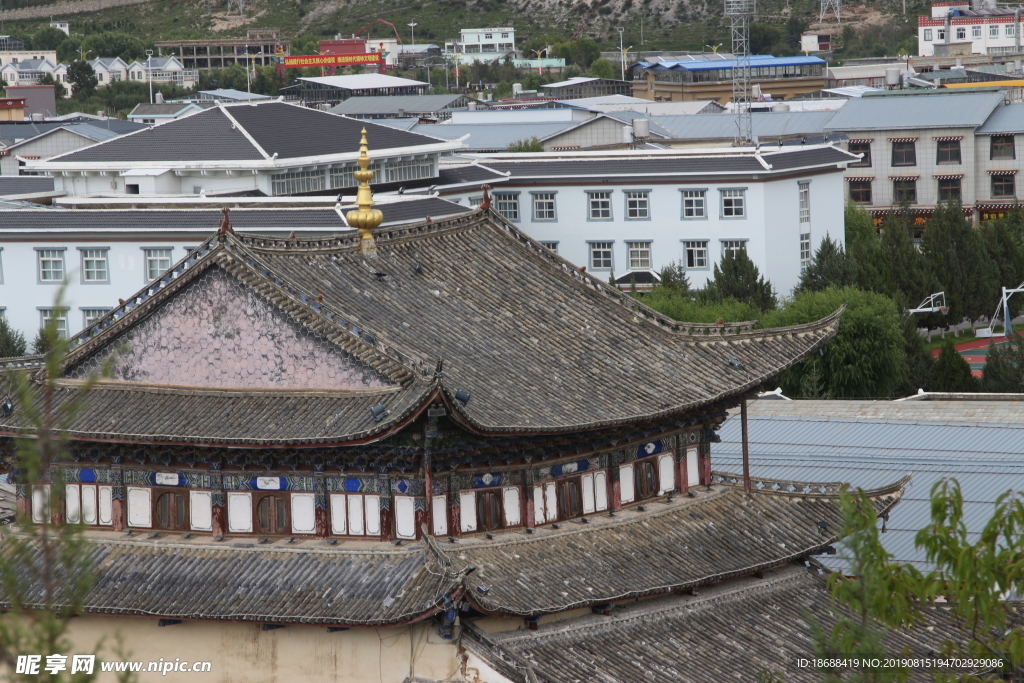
(755,61)
(986,458)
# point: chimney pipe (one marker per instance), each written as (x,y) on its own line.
(949,21)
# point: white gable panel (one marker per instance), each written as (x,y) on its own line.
(339,514)
(89,503)
(405,517)
(239,512)
(467,503)
(140,507)
(303,513)
(627,487)
(106,505)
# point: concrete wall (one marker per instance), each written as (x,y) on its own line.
(56,143)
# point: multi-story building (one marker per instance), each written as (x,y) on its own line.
(711,79)
(14,56)
(168,70)
(110,69)
(979,26)
(27,71)
(483,44)
(260,47)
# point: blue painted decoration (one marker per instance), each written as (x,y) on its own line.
(570,468)
(484,480)
(649,448)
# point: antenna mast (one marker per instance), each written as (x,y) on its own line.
(740,13)
(831,6)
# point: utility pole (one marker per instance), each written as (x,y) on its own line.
(149,72)
(622,56)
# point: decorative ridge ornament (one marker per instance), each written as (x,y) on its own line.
(365,218)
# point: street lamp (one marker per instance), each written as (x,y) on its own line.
(622,58)
(412,32)
(149,72)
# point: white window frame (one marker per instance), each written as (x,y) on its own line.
(97,313)
(599,202)
(59,315)
(95,265)
(961,33)
(639,255)
(700,253)
(976,32)
(50,267)
(507,204)
(151,262)
(544,207)
(355,514)
(553,246)
(993,30)
(734,246)
(545,503)
(695,201)
(1010,30)
(804,193)
(638,205)
(601,246)
(805,250)
(927,35)
(733,203)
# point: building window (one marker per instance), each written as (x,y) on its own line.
(1002,147)
(272,514)
(553,246)
(975,32)
(733,203)
(488,510)
(91,315)
(961,33)
(927,35)
(637,205)
(298,182)
(1003,186)
(507,205)
(993,31)
(1011,30)
(544,206)
(570,500)
(733,247)
(949,189)
(696,253)
(940,34)
(170,511)
(94,265)
(58,317)
(158,261)
(51,265)
(694,205)
(805,202)
(805,250)
(904,191)
(904,153)
(646,479)
(476,201)
(948,152)
(639,255)
(600,255)
(860,191)
(600,206)
(355,514)
(861,148)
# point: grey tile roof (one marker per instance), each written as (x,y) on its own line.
(734,631)
(278,584)
(26,184)
(1005,120)
(413,104)
(494,136)
(765,124)
(675,546)
(471,173)
(915,111)
(502,311)
(869,443)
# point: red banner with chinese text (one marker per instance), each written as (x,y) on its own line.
(331,60)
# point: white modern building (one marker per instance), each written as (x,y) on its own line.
(109,69)
(167,70)
(990,30)
(16,56)
(483,44)
(626,215)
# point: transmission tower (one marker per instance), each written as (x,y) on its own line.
(740,13)
(830,6)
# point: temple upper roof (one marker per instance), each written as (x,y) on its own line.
(255,340)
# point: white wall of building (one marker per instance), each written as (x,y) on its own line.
(51,145)
(987,35)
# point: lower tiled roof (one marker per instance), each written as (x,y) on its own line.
(731,632)
(671,546)
(269,584)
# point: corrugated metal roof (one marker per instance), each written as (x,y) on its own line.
(1007,119)
(864,70)
(494,135)
(917,111)
(755,60)
(979,443)
(765,124)
(392,104)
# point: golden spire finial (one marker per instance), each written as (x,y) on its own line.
(365,218)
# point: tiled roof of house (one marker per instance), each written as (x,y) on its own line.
(539,346)
(227,134)
(735,631)
(25,184)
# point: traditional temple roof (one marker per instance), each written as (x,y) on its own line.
(733,631)
(672,545)
(538,345)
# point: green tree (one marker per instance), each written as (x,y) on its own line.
(1004,246)
(58,89)
(115,44)
(958,257)
(526,145)
(83,78)
(864,360)
(602,68)
(580,52)
(863,246)
(679,305)
(795,27)
(738,278)
(572,71)
(951,371)
(763,37)
(69,49)
(12,342)
(830,267)
(1004,367)
(919,363)
(673,277)
(48,39)
(905,268)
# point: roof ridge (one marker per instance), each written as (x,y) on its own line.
(235,124)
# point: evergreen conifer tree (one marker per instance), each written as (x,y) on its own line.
(12,342)
(830,267)
(1004,367)
(952,372)
(738,278)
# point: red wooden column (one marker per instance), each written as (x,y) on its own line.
(454,509)
(682,476)
(529,506)
(218,512)
(614,486)
(117,502)
(322,520)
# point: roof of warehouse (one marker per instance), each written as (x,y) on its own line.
(765,124)
(755,61)
(918,111)
(496,135)
(393,104)
(867,443)
(1005,120)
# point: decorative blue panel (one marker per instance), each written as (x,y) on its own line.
(353,484)
(570,468)
(485,480)
(649,448)
(166,479)
(87,475)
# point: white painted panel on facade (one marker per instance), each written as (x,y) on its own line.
(106,496)
(600,491)
(550,502)
(372,515)
(239,512)
(538,504)
(166,479)
(339,514)
(588,494)
(40,503)
(72,503)
(692,471)
(140,507)
(356,522)
(440,515)
(268,483)
(89,503)
(200,505)
(303,513)
(467,504)
(510,494)
(405,517)
(627,488)
(666,473)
